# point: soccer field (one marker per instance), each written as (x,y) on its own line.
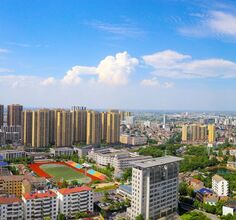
(62,172)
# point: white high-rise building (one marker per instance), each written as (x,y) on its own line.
(220,186)
(155,187)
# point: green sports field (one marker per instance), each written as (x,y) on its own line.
(62,172)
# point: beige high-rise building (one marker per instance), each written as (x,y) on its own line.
(64,129)
(52,126)
(40,128)
(113,127)
(195,132)
(124,114)
(26,129)
(184,133)
(104,126)
(79,125)
(203,133)
(211,133)
(1,115)
(93,127)
(14,113)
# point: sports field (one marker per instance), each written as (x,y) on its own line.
(62,172)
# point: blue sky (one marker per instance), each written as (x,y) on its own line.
(146,54)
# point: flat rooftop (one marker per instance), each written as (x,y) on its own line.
(157,161)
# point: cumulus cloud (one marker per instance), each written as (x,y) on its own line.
(112,70)
(48,82)
(154,82)
(214,23)
(175,65)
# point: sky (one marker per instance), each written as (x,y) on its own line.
(126,54)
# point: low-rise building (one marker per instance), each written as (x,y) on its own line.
(220,186)
(13,185)
(62,151)
(40,205)
(229,208)
(119,159)
(125,191)
(11,208)
(205,195)
(133,139)
(12,154)
(196,184)
(73,200)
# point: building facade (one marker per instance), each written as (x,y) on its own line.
(14,113)
(155,187)
(220,186)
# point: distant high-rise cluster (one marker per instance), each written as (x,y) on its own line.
(196,133)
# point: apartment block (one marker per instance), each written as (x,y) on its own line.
(113,127)
(73,200)
(11,208)
(1,115)
(40,205)
(14,113)
(220,186)
(93,128)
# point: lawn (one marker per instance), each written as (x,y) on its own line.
(62,172)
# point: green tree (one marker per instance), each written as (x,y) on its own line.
(61,216)
(139,217)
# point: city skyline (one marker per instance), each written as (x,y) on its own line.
(171,55)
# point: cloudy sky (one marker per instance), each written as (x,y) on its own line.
(146,54)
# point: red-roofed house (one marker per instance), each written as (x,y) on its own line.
(40,204)
(11,208)
(73,200)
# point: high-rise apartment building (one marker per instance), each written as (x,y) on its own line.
(155,187)
(203,133)
(1,115)
(14,113)
(184,133)
(40,128)
(211,133)
(104,126)
(93,127)
(26,129)
(113,127)
(64,129)
(124,114)
(79,125)
(195,132)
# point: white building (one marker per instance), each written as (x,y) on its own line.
(73,200)
(40,204)
(229,208)
(220,186)
(12,154)
(155,188)
(11,208)
(62,151)
(119,159)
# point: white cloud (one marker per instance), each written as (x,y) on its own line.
(48,82)
(175,65)
(115,70)
(214,23)
(154,82)
(72,76)
(2,50)
(112,70)
(5,70)
(14,81)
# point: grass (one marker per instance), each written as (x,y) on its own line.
(62,172)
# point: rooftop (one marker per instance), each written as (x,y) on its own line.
(126,188)
(66,191)
(157,161)
(9,200)
(217,178)
(39,194)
